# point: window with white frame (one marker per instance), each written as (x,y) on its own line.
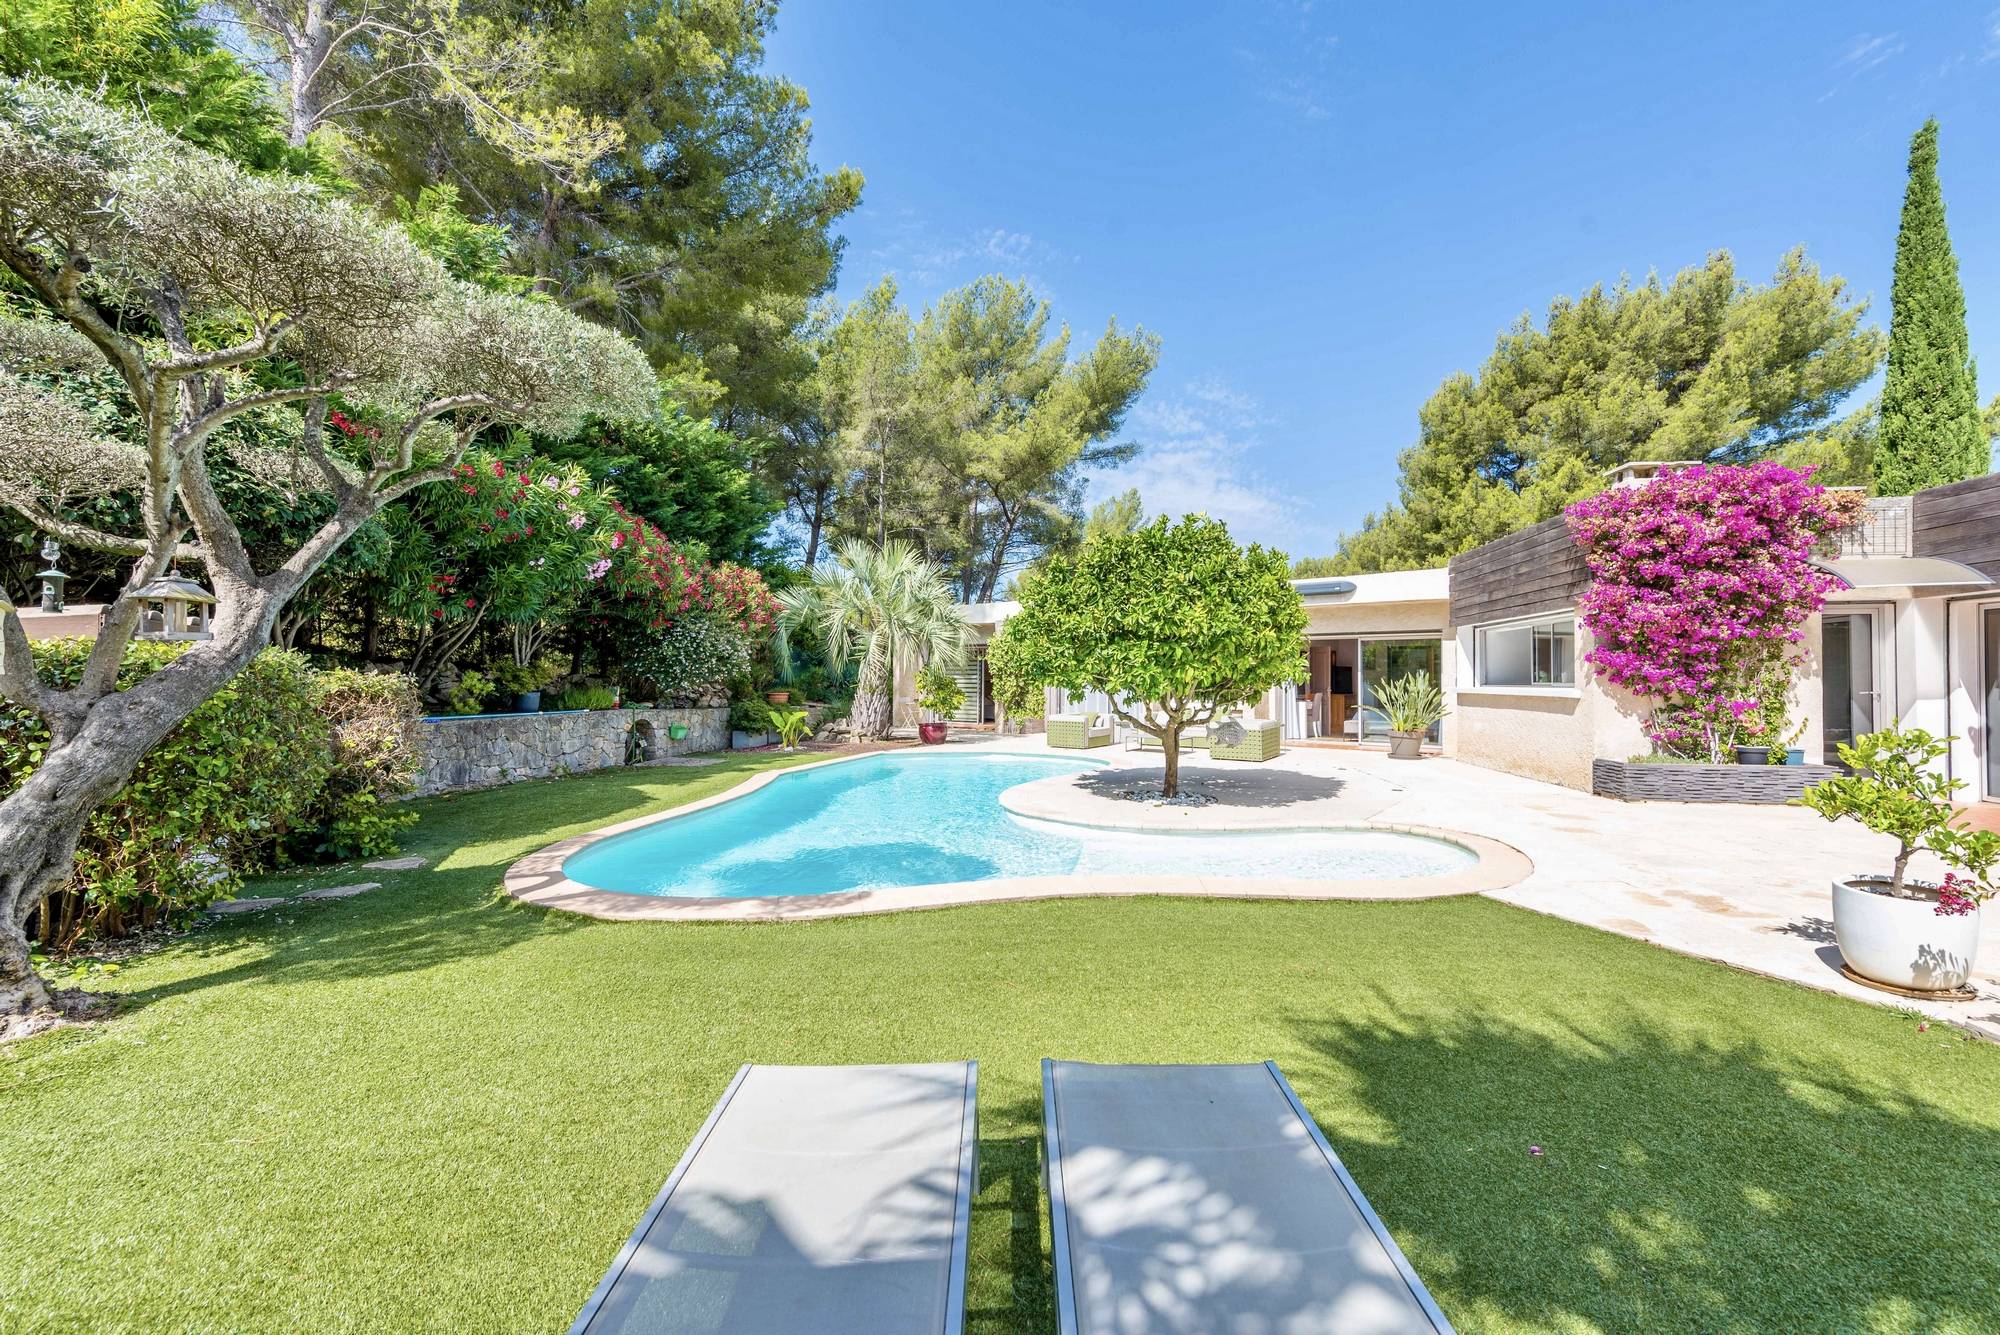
(1529,653)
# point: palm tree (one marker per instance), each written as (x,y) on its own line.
(875,604)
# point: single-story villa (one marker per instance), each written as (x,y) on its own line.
(1913,634)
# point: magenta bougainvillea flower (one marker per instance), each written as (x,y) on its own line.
(1701,580)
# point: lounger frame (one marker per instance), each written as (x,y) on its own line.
(1066,1321)
(967,1186)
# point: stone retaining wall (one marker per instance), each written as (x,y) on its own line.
(1768,784)
(481,750)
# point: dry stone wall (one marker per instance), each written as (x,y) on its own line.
(482,750)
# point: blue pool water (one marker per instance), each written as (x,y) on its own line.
(924,819)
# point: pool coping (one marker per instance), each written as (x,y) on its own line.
(538,877)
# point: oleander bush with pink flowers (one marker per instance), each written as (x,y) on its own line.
(1702,581)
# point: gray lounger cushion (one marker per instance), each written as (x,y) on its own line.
(1203,1198)
(821,1199)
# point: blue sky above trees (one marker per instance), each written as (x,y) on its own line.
(1324,209)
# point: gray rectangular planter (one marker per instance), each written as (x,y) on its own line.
(1769,784)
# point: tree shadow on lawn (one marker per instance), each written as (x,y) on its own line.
(1682,1185)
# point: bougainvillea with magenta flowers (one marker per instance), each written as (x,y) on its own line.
(1701,581)
(661,583)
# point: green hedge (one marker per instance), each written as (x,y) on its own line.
(282,761)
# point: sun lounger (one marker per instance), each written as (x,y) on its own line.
(833,1200)
(1203,1198)
(1192,739)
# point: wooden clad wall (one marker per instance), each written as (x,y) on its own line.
(1539,569)
(1960,522)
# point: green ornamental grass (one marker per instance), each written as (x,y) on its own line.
(429,1108)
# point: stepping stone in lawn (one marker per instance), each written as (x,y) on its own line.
(342,891)
(395,864)
(243,905)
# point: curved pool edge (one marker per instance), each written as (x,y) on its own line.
(539,879)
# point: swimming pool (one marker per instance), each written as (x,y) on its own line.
(915,819)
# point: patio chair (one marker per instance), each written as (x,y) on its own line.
(815,1200)
(1203,1198)
(1079,732)
(1246,739)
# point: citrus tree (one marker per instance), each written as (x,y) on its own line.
(1174,621)
(213,293)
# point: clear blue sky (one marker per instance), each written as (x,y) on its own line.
(1323,209)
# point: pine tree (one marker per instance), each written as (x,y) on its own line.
(1931,429)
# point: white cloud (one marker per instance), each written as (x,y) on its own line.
(1196,449)
(914,252)
(1866,51)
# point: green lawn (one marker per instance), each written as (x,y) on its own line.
(431,1109)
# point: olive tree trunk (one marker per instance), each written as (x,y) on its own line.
(90,758)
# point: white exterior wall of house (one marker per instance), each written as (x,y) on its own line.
(1550,733)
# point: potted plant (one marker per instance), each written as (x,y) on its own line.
(777,695)
(1410,707)
(938,694)
(793,727)
(524,681)
(749,724)
(1907,934)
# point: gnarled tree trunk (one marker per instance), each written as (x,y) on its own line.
(1170,748)
(92,754)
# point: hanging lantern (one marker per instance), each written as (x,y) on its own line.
(172,608)
(52,579)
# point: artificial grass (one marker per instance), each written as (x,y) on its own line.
(429,1108)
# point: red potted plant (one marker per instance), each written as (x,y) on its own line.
(940,695)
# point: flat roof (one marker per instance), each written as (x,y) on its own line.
(1387,586)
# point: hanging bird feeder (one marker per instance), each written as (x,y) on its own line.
(172,608)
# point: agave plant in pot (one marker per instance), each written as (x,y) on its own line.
(1911,935)
(1410,707)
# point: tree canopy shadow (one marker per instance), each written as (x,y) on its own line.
(1679,1184)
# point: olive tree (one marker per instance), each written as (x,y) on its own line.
(213,293)
(1174,621)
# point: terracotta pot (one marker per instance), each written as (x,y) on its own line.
(777,697)
(932,733)
(1903,941)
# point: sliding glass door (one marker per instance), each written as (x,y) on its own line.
(1383,661)
(1990,633)
(1847,678)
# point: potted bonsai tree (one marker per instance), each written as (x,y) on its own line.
(1410,707)
(940,695)
(1910,935)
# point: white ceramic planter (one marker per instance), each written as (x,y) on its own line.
(1903,942)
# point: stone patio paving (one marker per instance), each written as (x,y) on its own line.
(1745,885)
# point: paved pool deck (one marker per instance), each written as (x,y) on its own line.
(1745,885)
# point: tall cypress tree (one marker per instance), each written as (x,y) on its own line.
(1931,428)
